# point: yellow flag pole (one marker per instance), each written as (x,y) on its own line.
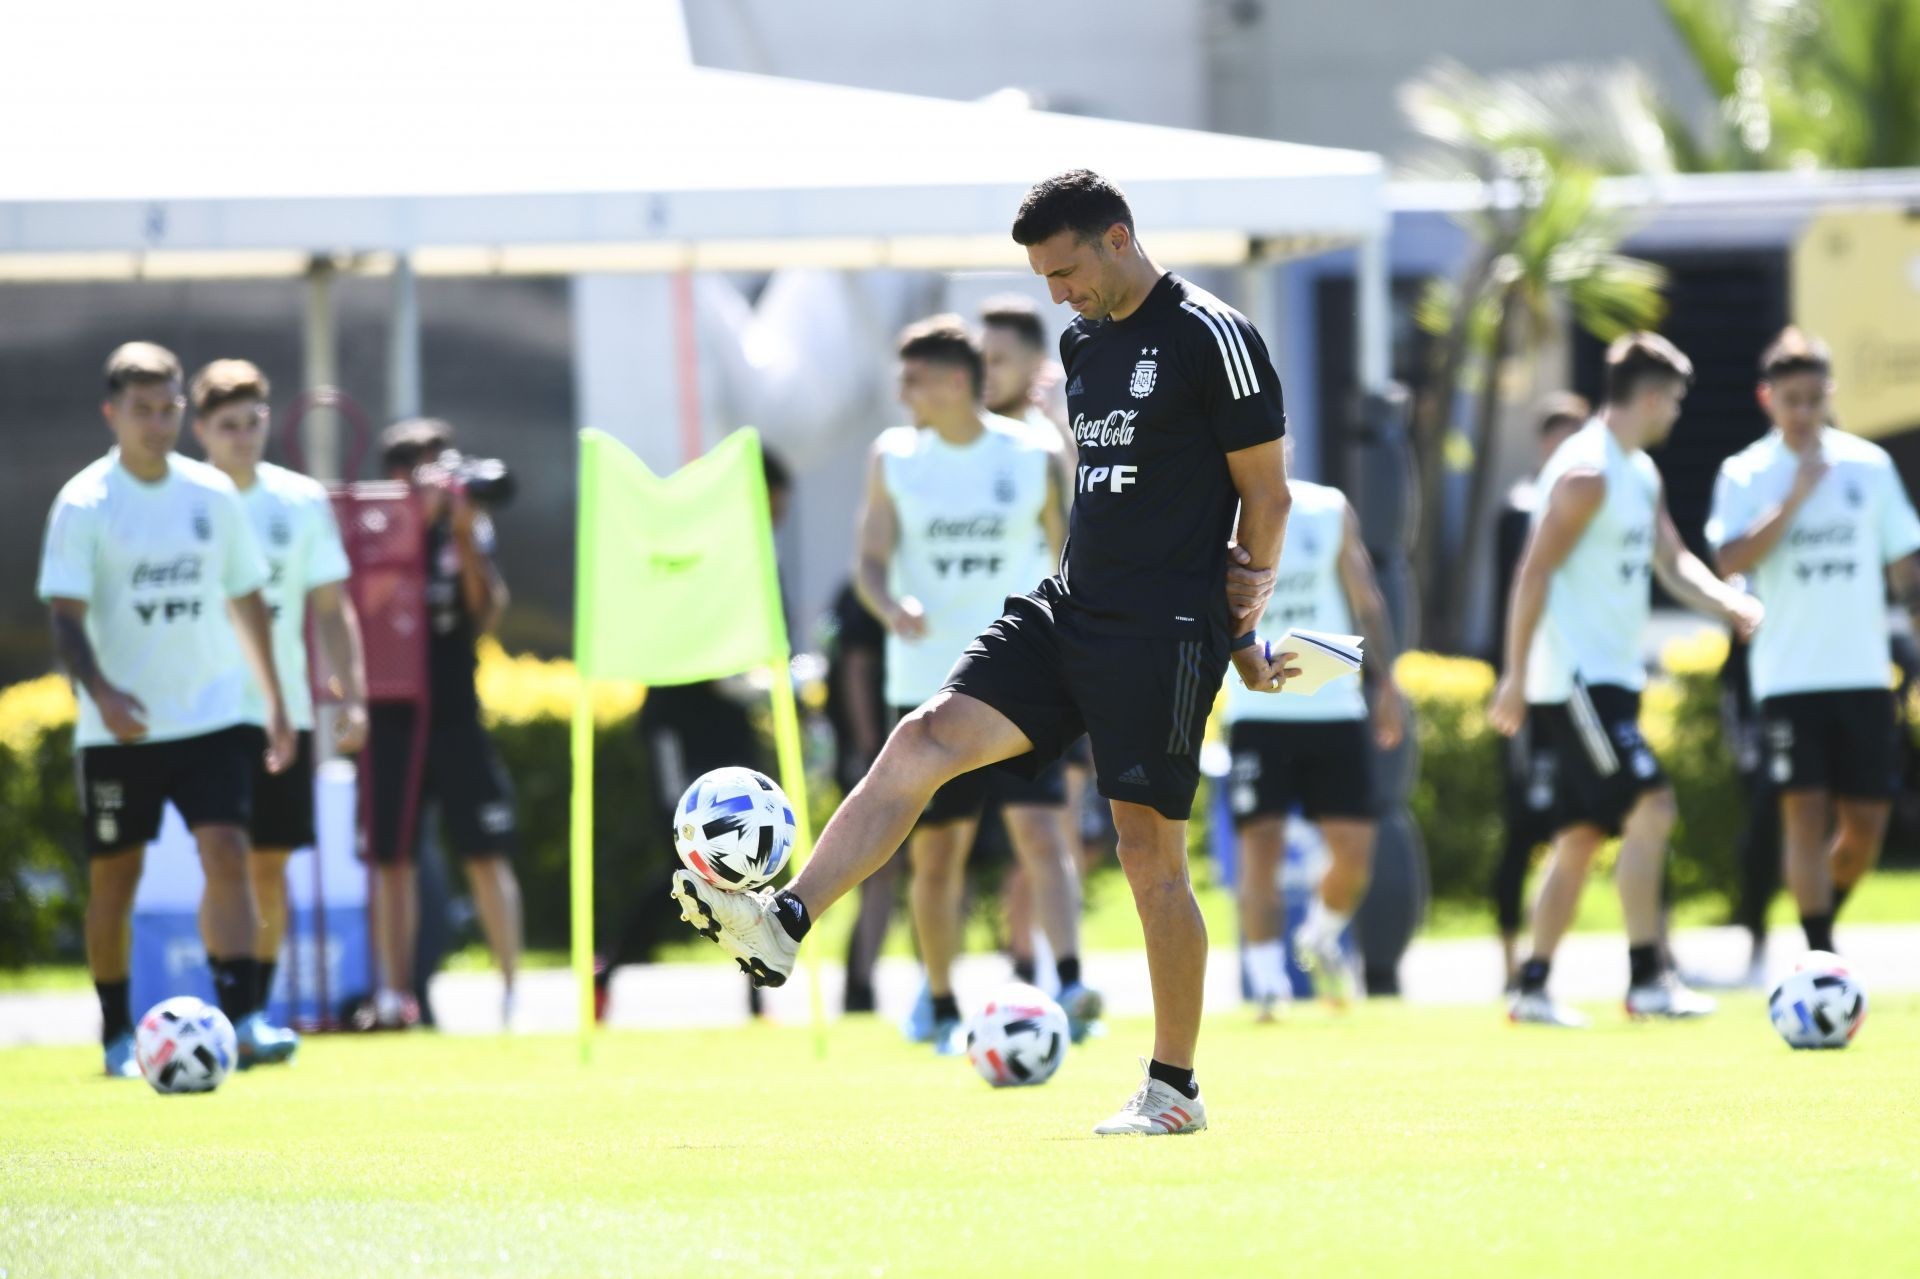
(581,857)
(793,780)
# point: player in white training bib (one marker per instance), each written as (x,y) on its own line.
(153,578)
(1575,639)
(1814,518)
(1312,753)
(292,520)
(957,505)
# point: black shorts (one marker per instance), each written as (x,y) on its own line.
(1322,767)
(965,797)
(458,771)
(1600,764)
(125,788)
(1844,741)
(283,802)
(1142,700)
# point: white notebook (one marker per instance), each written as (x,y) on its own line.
(1322,658)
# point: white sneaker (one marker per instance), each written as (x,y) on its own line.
(1667,996)
(740,923)
(1156,1110)
(1538,1008)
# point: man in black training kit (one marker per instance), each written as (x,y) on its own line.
(1178,417)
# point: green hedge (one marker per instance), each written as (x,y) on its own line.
(1456,800)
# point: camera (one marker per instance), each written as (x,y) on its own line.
(485,480)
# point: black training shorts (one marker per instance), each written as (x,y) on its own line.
(965,797)
(1601,764)
(459,773)
(1322,767)
(283,802)
(1843,741)
(1142,700)
(124,788)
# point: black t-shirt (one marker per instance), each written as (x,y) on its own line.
(1510,533)
(1157,401)
(451,633)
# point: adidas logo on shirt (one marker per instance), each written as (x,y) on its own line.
(1074,387)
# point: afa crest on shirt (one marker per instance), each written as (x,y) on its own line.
(278,533)
(1003,491)
(1144,373)
(202,524)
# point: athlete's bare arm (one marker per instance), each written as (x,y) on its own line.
(1053,516)
(254,625)
(123,713)
(1571,506)
(874,540)
(1260,478)
(1369,609)
(337,627)
(1693,583)
(1742,553)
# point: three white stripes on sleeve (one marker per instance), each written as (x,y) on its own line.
(1241,378)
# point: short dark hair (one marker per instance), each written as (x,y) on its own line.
(944,339)
(1079,200)
(141,364)
(1017,315)
(1795,352)
(1636,359)
(406,444)
(1562,408)
(227,382)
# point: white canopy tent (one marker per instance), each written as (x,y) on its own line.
(470,138)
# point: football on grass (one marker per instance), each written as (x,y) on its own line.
(184,1044)
(734,828)
(1019,1038)
(1820,1004)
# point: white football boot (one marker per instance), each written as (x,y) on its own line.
(741,923)
(1667,996)
(1538,1008)
(1156,1110)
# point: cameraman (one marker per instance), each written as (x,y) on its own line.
(461,771)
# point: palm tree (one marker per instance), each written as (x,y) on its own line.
(1537,144)
(1831,84)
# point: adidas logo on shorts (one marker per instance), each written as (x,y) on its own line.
(1136,776)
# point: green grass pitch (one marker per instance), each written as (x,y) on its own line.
(1385,1141)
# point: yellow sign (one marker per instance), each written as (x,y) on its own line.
(1856,284)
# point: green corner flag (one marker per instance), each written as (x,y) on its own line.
(674,582)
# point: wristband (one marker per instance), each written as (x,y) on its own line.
(1245,641)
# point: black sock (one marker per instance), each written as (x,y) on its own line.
(1024,969)
(268,967)
(1533,976)
(116,1019)
(1069,970)
(1819,929)
(1643,965)
(946,1008)
(235,982)
(1177,1077)
(1840,892)
(793,915)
